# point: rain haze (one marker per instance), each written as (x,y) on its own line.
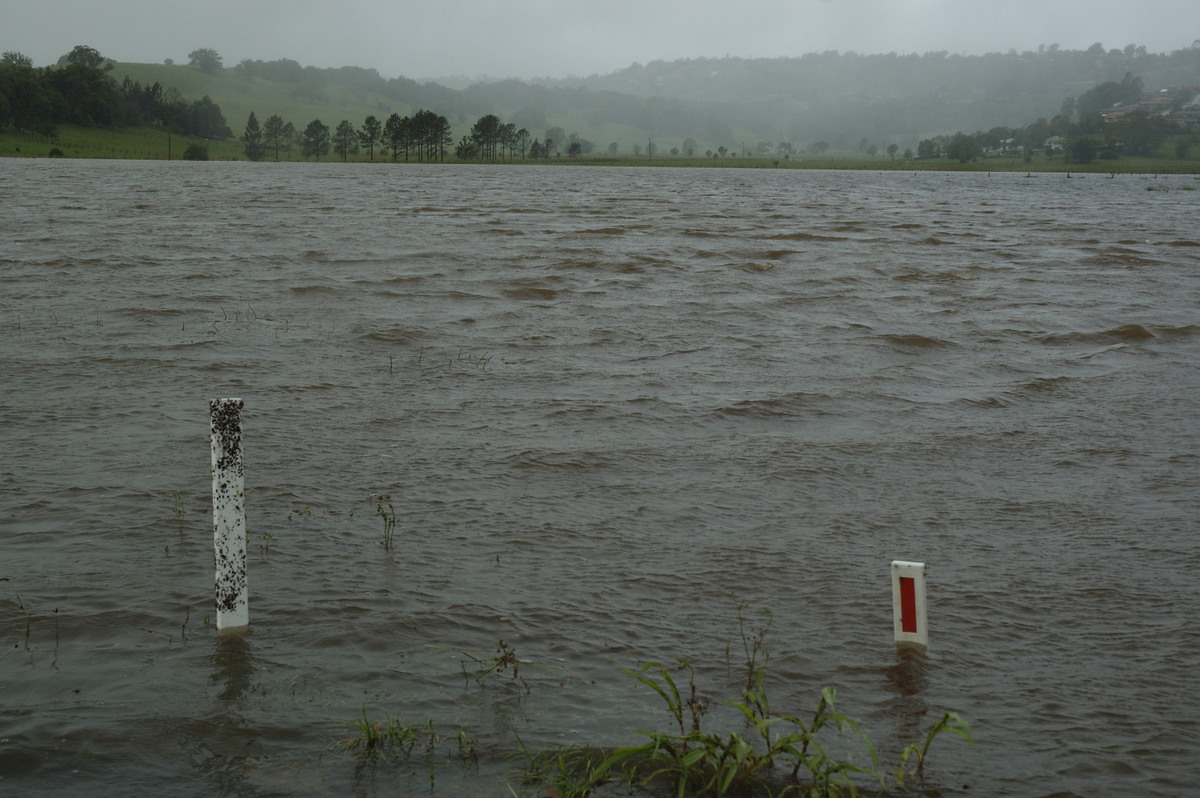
(550,38)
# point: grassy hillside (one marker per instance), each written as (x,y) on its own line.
(353,94)
(238,94)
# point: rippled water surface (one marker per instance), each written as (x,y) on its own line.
(608,407)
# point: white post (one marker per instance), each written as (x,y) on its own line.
(229,513)
(908,604)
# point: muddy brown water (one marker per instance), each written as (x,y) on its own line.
(608,407)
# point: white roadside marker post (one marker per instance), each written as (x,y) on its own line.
(229,513)
(908,605)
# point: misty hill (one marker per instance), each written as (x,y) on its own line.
(300,94)
(842,99)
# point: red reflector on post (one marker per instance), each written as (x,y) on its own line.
(908,604)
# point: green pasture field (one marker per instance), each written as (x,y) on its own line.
(150,143)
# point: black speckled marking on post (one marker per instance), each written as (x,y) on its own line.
(229,516)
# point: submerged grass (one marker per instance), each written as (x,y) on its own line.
(504,659)
(389,524)
(380,739)
(760,752)
(377,742)
(180,511)
(564,773)
(774,754)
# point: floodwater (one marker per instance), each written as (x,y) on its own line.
(610,409)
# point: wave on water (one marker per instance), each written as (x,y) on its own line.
(511,232)
(1185,331)
(803,236)
(531,458)
(776,254)
(312,289)
(603,231)
(1045,385)
(914,341)
(1122,256)
(1126,333)
(788,405)
(944,276)
(391,334)
(534,293)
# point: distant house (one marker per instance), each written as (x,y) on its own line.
(1119,110)
(1190,113)
(1005,147)
(1054,144)
(1188,116)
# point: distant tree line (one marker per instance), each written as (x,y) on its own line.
(80,90)
(423,136)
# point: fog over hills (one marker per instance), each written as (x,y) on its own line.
(839,101)
(529,38)
(843,97)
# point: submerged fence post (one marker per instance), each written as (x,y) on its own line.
(229,513)
(908,604)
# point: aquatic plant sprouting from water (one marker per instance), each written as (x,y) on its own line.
(781,751)
(753,641)
(774,754)
(392,737)
(504,659)
(818,754)
(180,513)
(389,523)
(564,773)
(949,722)
(453,362)
(378,740)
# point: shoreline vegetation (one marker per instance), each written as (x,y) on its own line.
(151,143)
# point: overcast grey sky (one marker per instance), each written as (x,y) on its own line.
(558,38)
